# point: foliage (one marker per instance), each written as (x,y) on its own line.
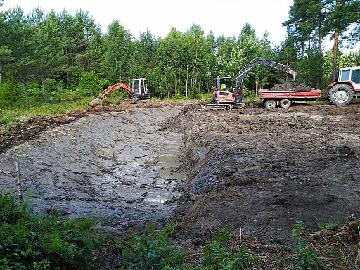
(28,241)
(305,255)
(52,57)
(10,93)
(218,254)
(152,250)
(89,84)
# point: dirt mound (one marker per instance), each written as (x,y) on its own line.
(290,86)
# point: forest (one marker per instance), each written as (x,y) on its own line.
(53,57)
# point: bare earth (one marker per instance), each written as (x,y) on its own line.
(252,169)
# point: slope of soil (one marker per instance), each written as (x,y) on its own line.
(262,171)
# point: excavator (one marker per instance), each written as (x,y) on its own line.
(226,98)
(139,90)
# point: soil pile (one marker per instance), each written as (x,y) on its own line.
(291,86)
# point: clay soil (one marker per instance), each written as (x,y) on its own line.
(254,171)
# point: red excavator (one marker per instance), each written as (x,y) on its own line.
(226,98)
(139,90)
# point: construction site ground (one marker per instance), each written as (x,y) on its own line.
(254,171)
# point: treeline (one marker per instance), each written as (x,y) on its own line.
(53,56)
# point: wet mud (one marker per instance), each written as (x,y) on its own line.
(117,167)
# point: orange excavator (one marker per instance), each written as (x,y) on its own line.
(139,90)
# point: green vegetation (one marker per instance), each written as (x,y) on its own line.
(151,250)
(305,256)
(218,254)
(50,58)
(29,241)
(155,250)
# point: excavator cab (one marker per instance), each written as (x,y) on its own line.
(223,83)
(140,89)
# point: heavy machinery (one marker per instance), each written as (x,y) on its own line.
(139,90)
(347,86)
(225,97)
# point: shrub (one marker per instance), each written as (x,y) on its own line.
(89,84)
(42,242)
(10,93)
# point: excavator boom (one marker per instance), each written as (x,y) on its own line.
(259,61)
(114,87)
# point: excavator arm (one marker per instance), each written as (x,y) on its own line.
(114,87)
(259,61)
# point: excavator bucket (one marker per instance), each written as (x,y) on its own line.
(96,102)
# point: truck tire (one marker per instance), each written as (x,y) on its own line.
(270,104)
(285,103)
(341,94)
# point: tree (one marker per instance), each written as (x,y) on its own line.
(118,52)
(340,15)
(48,54)
(306,23)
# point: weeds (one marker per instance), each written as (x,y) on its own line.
(305,256)
(28,241)
(151,250)
(218,254)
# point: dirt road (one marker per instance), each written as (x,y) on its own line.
(252,169)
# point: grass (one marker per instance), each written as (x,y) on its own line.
(9,116)
(29,241)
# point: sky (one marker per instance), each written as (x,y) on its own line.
(224,17)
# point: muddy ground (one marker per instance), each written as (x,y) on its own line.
(118,167)
(250,169)
(262,171)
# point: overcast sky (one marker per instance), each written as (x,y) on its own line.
(222,17)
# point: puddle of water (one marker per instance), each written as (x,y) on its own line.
(168,160)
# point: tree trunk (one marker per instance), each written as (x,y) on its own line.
(43,89)
(26,93)
(302,49)
(335,54)
(319,40)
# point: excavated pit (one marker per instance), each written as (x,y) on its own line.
(120,168)
(251,169)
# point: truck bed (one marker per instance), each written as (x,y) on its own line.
(299,95)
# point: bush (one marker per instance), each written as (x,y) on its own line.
(10,93)
(90,84)
(35,242)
